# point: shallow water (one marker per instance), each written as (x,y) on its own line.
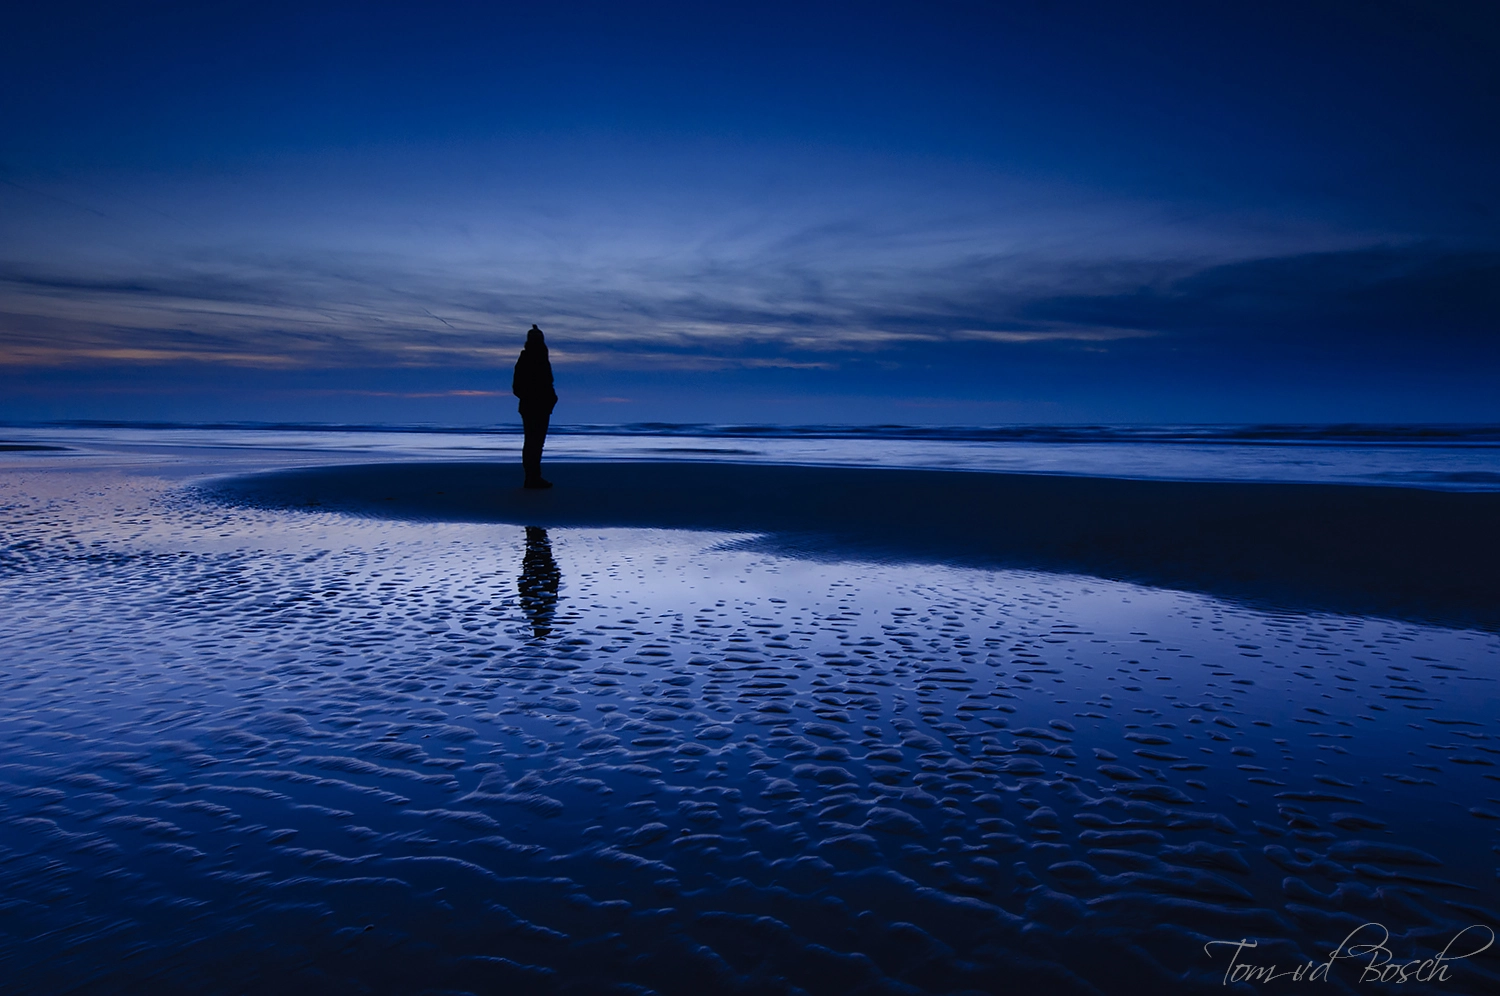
(1440,457)
(256,751)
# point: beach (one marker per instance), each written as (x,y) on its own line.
(281,721)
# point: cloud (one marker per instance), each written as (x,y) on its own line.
(462,393)
(370,310)
(37,356)
(1053,335)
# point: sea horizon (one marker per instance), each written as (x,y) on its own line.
(1434,456)
(1374,433)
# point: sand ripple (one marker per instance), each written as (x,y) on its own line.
(259,751)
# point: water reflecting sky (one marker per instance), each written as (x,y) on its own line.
(1470,461)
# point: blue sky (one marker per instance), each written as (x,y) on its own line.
(849,212)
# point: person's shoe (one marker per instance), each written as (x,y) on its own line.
(538,483)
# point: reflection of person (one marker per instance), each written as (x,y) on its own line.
(539,581)
(532,384)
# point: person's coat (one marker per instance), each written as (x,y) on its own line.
(532,382)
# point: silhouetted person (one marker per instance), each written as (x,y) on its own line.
(532,383)
(539,581)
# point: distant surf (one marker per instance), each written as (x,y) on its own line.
(1461,457)
(1274,434)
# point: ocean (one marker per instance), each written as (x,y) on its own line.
(1447,457)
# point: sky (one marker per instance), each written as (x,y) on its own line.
(942,212)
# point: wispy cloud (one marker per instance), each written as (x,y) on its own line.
(759,311)
(423,394)
(40,356)
(1053,335)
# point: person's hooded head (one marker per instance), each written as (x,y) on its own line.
(535,340)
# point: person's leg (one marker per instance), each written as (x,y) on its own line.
(543,420)
(531,449)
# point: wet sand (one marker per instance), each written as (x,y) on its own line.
(1402,552)
(273,747)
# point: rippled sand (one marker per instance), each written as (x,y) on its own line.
(266,751)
